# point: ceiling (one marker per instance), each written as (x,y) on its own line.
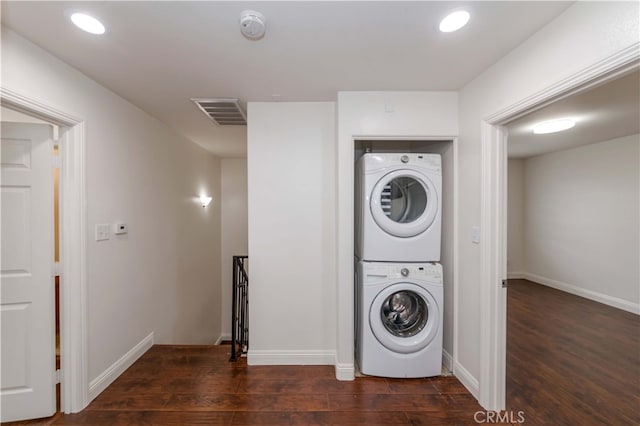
(606,112)
(158,55)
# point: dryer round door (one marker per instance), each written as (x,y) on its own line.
(404,317)
(404,203)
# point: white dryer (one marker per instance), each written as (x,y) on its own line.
(399,319)
(398,205)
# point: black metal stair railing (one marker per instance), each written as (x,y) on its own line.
(240,309)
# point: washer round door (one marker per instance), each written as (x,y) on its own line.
(404,203)
(404,317)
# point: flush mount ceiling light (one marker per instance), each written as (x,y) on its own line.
(553,126)
(454,21)
(252,24)
(87,23)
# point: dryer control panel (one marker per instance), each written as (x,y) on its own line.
(376,161)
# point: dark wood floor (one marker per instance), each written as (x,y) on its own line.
(571,361)
(196,385)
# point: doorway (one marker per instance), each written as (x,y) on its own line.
(72,232)
(493,210)
(572,259)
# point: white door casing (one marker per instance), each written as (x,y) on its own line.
(73,244)
(27,276)
(493,213)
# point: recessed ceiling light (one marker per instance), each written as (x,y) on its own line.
(87,23)
(454,21)
(553,126)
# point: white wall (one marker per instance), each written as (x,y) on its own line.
(291,181)
(163,276)
(371,115)
(584,34)
(447,253)
(234,229)
(582,229)
(197,298)
(515,219)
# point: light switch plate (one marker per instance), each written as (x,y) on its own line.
(102,231)
(475,234)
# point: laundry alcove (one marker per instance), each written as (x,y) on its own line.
(445,147)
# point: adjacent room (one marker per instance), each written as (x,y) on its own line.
(573,249)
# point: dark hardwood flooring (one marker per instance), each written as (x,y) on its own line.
(172,385)
(571,361)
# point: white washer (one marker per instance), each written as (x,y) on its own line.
(399,319)
(398,215)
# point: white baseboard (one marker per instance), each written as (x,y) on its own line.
(447,360)
(615,302)
(467,379)
(345,372)
(222,337)
(268,357)
(109,375)
(516,275)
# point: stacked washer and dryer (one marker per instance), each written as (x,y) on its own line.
(399,290)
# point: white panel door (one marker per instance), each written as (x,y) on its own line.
(26,273)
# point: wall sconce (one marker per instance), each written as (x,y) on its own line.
(204,200)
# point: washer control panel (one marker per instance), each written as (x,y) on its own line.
(418,271)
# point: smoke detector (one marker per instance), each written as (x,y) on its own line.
(252,24)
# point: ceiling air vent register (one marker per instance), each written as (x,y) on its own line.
(225,112)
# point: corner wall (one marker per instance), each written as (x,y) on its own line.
(582,231)
(291,188)
(161,281)
(515,219)
(234,230)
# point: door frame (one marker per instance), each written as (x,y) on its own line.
(73,245)
(493,212)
